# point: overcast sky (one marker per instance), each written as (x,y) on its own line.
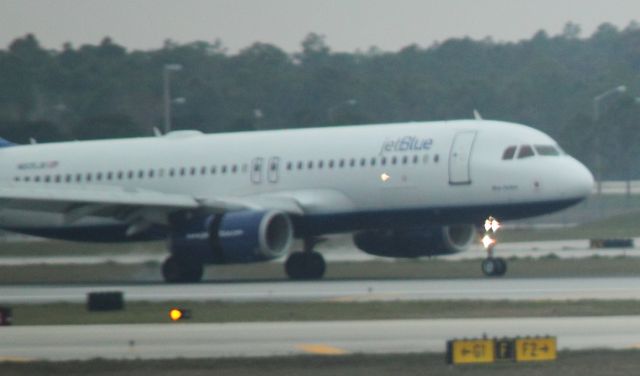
(347,24)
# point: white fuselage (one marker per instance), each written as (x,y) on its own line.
(330,171)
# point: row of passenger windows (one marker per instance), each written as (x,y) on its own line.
(223,169)
(526,151)
(362,162)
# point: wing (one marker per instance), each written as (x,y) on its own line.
(142,206)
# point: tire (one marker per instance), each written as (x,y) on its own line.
(488,267)
(501,267)
(178,270)
(305,266)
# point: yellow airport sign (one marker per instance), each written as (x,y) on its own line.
(535,349)
(472,351)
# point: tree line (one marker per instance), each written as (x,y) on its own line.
(548,82)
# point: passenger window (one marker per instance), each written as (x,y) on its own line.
(289,166)
(547,150)
(99,176)
(509,153)
(405,159)
(151,173)
(352,162)
(36,179)
(88,177)
(383,161)
(109,175)
(415,159)
(363,162)
(436,158)
(27,179)
(373,161)
(341,163)
(331,163)
(525,152)
(67,178)
(299,165)
(140,174)
(203,170)
(310,165)
(182,171)
(193,170)
(320,164)
(234,168)
(213,170)
(223,169)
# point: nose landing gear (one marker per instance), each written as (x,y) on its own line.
(492,266)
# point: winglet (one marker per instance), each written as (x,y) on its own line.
(476,115)
(4,143)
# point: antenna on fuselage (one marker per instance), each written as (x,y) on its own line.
(156,132)
(476,115)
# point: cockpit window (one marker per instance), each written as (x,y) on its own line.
(546,150)
(509,152)
(525,152)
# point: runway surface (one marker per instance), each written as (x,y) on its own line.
(341,248)
(293,338)
(360,290)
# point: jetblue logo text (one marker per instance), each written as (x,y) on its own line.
(407,143)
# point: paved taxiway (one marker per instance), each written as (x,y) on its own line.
(360,290)
(292,338)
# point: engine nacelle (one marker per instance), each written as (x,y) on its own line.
(236,237)
(416,242)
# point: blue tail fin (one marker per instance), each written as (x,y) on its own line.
(4,143)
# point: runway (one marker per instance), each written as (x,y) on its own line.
(341,249)
(294,338)
(359,290)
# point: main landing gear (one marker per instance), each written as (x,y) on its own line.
(182,270)
(306,265)
(492,266)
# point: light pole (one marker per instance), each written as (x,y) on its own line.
(332,109)
(166,71)
(596,118)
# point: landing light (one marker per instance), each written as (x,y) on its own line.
(491,224)
(384,177)
(487,241)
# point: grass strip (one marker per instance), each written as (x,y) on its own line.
(221,312)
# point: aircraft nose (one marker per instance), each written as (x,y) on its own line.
(582,180)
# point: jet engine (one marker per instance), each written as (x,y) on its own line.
(229,238)
(416,242)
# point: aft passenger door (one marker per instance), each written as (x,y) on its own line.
(460,158)
(273,169)
(256,170)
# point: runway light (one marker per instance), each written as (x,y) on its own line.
(487,241)
(177,314)
(491,224)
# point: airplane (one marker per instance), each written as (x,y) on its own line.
(403,190)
